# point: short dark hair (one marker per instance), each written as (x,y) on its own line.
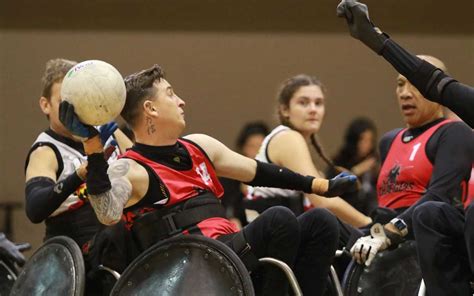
(55,71)
(250,129)
(139,87)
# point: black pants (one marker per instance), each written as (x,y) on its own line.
(441,246)
(306,243)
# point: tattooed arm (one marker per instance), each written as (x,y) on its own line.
(108,206)
(129,182)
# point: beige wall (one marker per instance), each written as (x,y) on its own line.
(225,78)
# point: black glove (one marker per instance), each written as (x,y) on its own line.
(69,119)
(360,26)
(10,251)
(344,182)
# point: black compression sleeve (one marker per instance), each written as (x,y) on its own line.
(97,179)
(428,79)
(270,175)
(44,196)
(403,61)
(460,99)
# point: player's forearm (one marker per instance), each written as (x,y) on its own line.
(341,209)
(108,189)
(109,205)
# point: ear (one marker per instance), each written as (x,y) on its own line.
(284,111)
(45,105)
(150,108)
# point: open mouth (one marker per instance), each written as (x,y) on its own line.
(407,108)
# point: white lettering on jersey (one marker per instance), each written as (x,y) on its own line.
(201,170)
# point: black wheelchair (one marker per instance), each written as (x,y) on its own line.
(393,272)
(182,265)
(197,265)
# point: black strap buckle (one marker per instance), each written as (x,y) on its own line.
(170,224)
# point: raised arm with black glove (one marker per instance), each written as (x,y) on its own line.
(433,83)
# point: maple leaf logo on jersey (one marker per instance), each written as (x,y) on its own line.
(201,170)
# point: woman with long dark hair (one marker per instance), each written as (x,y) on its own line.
(301,110)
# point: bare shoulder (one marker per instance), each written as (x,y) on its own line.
(290,149)
(200,139)
(125,167)
(42,152)
(42,163)
(210,145)
(287,139)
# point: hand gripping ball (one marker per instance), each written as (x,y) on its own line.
(97,91)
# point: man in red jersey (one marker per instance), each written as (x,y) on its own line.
(425,170)
(167,185)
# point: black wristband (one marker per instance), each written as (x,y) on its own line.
(270,175)
(97,179)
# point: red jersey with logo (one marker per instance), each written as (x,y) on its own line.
(406,171)
(181,185)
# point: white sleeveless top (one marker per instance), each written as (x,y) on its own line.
(262,155)
(71,159)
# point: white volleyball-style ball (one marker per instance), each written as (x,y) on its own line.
(97,91)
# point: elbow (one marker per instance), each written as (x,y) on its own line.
(35,218)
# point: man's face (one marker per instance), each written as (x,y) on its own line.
(415,109)
(50,107)
(169,105)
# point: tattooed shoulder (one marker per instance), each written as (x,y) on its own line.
(119,168)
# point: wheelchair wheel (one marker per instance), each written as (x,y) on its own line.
(392,273)
(186,265)
(56,268)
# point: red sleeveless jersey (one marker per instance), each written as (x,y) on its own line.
(185,184)
(406,171)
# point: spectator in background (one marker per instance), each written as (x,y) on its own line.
(248,142)
(358,155)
